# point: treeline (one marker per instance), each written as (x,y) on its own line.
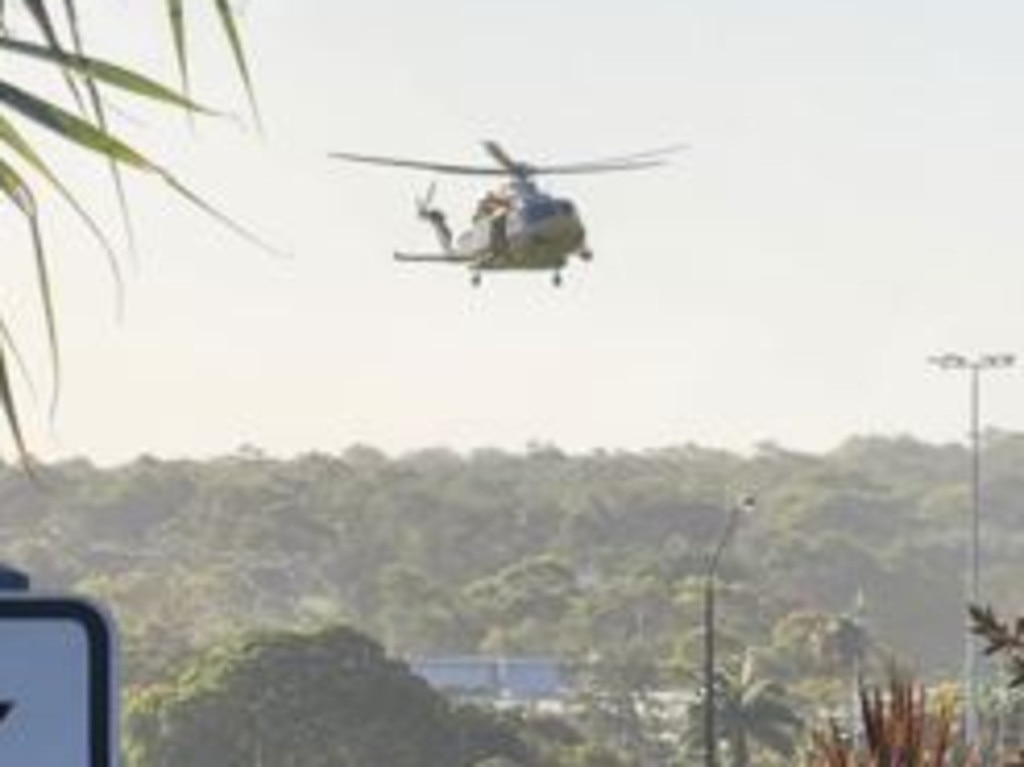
(589,556)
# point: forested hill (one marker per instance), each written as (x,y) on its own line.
(435,552)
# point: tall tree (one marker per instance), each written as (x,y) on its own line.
(321,699)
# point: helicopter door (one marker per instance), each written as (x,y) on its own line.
(499,232)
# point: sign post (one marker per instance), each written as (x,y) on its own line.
(57,683)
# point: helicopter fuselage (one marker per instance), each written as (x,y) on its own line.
(535,231)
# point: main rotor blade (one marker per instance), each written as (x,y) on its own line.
(648,154)
(437,167)
(504,159)
(595,167)
(508,166)
(634,161)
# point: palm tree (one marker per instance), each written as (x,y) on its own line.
(843,641)
(750,710)
(52,35)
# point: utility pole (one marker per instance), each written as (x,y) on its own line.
(973,367)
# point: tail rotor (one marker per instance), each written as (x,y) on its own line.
(434,216)
(425,202)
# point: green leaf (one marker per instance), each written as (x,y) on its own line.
(176,16)
(225,220)
(10,136)
(227,18)
(70,126)
(78,131)
(41,16)
(71,11)
(21,195)
(16,190)
(9,406)
(105,72)
(89,136)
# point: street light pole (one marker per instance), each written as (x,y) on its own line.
(974,367)
(746,505)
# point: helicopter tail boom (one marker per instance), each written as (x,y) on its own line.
(442,258)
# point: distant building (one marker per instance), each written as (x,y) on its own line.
(522,679)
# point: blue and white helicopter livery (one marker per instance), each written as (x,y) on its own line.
(516,226)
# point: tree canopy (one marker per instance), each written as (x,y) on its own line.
(321,699)
(538,552)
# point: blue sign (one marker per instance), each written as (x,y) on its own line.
(57,686)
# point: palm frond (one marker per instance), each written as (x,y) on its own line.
(89,136)
(93,71)
(56,39)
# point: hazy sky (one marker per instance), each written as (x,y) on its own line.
(850,205)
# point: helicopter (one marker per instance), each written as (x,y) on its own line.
(516,226)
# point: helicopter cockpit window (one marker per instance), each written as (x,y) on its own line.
(541,210)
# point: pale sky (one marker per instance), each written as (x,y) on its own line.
(849,206)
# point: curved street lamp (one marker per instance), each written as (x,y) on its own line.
(745,505)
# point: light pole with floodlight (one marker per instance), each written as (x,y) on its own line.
(974,367)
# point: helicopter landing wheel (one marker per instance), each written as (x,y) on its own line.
(476,279)
(556,279)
